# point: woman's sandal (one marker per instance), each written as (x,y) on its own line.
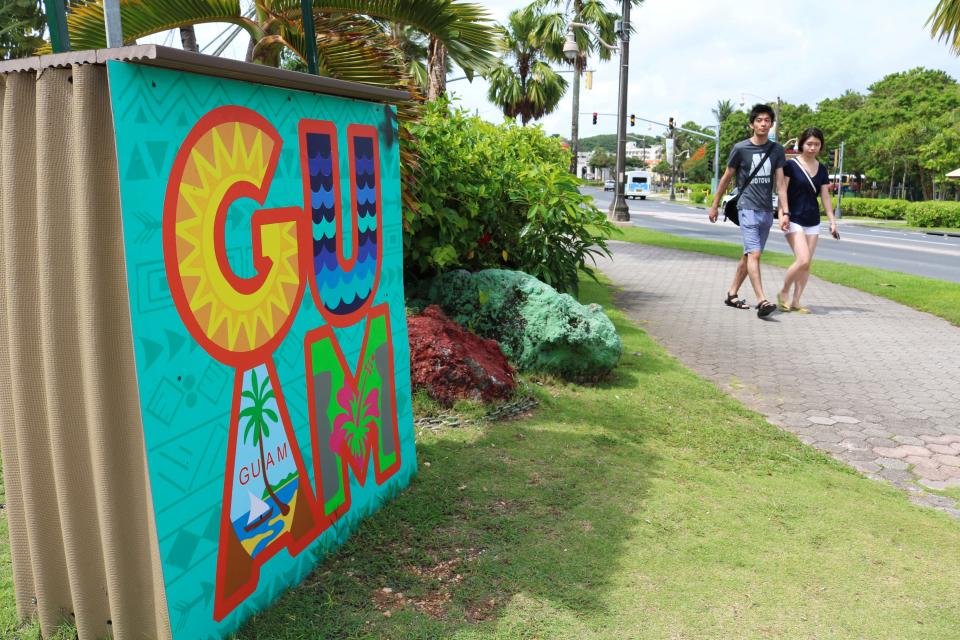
(800,309)
(733,300)
(783,306)
(765,308)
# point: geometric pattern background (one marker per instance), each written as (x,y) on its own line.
(185,394)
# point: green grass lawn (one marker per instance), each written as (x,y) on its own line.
(649,506)
(939,297)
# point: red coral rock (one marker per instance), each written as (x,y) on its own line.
(452,364)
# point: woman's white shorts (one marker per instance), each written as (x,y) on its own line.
(808,231)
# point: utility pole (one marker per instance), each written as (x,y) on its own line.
(619,210)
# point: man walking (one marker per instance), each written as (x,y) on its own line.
(764,159)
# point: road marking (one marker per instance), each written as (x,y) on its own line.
(850,237)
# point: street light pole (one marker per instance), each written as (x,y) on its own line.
(715,181)
(575,124)
(776,121)
(619,210)
(571,51)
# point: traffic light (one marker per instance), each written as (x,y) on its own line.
(670,124)
(836,157)
(710,165)
(633,119)
(594,117)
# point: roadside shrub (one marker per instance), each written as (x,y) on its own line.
(496,196)
(934,214)
(931,213)
(698,197)
(880,208)
(693,186)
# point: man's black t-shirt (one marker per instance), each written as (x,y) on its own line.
(801,197)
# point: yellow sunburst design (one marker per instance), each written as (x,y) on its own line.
(228,154)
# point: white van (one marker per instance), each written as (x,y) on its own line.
(637,184)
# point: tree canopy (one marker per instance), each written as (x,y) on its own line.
(904,129)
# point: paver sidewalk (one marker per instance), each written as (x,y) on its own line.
(874,383)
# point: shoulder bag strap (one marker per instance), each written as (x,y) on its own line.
(754,172)
(807,175)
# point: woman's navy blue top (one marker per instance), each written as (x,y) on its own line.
(801,198)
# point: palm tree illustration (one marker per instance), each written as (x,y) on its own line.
(257,416)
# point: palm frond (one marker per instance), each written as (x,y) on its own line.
(944,24)
(145,17)
(355,48)
(464,28)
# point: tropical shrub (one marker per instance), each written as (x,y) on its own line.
(496,196)
(698,196)
(538,328)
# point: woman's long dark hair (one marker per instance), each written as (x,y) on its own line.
(812,132)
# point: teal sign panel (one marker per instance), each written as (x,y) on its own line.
(262,231)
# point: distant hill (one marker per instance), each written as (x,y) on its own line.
(608,142)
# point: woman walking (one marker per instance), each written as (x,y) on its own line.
(806,178)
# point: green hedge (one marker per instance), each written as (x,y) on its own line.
(880,208)
(698,196)
(934,214)
(931,213)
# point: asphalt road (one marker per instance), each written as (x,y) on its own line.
(905,251)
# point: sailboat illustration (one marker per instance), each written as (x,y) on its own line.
(260,511)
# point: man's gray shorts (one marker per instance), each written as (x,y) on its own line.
(755,227)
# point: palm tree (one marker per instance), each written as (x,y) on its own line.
(945,23)
(723,110)
(255,414)
(437,63)
(351,42)
(553,32)
(413,45)
(527,87)
(21,28)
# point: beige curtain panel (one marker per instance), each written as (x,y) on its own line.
(81,530)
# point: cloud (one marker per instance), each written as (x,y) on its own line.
(686,55)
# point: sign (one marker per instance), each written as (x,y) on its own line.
(262,231)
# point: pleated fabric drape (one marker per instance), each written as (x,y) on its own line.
(81,523)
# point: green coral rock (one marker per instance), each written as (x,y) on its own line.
(537,328)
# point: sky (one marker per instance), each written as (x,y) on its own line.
(686,55)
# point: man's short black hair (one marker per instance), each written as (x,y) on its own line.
(762,108)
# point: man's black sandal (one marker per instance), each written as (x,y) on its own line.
(765,308)
(733,300)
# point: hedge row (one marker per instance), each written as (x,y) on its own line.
(932,213)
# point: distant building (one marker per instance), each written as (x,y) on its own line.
(585,171)
(649,154)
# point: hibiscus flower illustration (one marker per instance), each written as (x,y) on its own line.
(353,427)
